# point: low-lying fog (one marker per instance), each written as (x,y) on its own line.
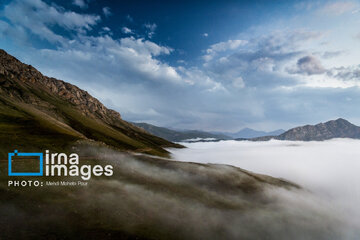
(150,198)
(329,169)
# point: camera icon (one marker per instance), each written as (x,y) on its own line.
(19,154)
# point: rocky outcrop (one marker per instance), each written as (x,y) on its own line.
(47,112)
(12,68)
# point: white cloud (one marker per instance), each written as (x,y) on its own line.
(339,8)
(331,54)
(104,31)
(136,57)
(107,11)
(222,47)
(144,46)
(80,3)
(238,82)
(16,33)
(197,77)
(205,34)
(126,30)
(40,17)
(151,27)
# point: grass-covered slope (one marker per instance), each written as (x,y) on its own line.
(37,113)
(146,198)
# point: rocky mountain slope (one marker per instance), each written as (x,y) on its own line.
(179,136)
(339,128)
(39,112)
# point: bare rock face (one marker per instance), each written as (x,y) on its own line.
(339,128)
(11,68)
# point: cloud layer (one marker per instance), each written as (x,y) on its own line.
(328,169)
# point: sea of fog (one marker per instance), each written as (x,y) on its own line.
(330,170)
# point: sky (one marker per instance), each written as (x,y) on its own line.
(207,65)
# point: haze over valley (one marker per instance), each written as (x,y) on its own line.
(328,169)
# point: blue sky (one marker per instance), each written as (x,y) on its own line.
(210,65)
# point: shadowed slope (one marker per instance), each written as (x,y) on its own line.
(38,112)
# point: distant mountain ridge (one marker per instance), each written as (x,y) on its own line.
(179,136)
(339,128)
(251,133)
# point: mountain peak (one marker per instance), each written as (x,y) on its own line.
(4,54)
(342,120)
(339,128)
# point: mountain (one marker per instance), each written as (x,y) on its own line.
(339,128)
(251,133)
(39,112)
(181,136)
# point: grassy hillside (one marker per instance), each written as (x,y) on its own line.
(148,198)
(34,116)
